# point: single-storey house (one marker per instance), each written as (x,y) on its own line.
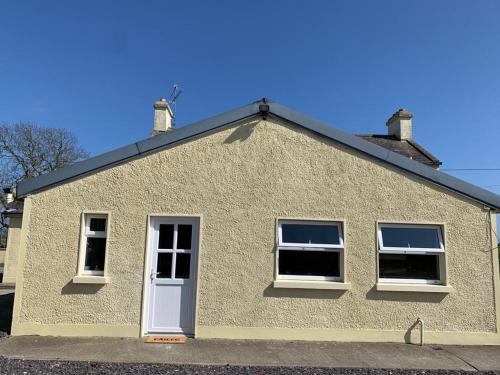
(260,223)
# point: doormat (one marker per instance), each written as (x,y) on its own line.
(166,340)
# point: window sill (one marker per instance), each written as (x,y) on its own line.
(425,288)
(302,284)
(90,279)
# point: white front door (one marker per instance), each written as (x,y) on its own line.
(172,275)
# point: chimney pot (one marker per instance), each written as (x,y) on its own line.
(400,125)
(163,117)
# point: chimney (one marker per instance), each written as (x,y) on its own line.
(163,117)
(399,125)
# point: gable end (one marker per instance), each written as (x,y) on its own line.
(262,108)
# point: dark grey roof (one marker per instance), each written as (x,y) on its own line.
(406,147)
(262,107)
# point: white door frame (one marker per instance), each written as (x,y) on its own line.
(147,265)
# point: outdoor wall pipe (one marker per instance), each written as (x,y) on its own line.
(421,322)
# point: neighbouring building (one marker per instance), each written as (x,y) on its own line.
(14,214)
(259,223)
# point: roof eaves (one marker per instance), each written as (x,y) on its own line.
(43,181)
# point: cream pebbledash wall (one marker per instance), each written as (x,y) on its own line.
(240,180)
(12,250)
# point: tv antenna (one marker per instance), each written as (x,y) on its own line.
(174,95)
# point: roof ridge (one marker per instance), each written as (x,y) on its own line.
(136,149)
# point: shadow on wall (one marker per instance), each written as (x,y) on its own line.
(71,288)
(273,292)
(241,133)
(413,334)
(374,294)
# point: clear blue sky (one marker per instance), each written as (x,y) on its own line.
(95,67)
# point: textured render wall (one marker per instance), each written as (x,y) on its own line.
(12,250)
(241,179)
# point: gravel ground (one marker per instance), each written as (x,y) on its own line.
(24,367)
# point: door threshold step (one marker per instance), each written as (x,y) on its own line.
(178,339)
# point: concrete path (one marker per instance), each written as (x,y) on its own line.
(257,353)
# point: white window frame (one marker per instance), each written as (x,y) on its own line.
(87,233)
(439,251)
(338,248)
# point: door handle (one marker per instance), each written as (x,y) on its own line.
(153,275)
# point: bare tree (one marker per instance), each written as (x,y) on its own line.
(28,150)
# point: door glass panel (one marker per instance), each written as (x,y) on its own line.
(166,240)
(182,266)
(184,236)
(164,265)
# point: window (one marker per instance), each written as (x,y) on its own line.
(94,244)
(310,250)
(410,253)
